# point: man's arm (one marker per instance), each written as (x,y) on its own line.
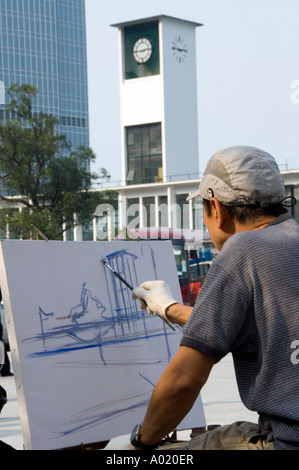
(178,313)
(175,393)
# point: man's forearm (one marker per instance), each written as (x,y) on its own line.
(175,394)
(178,313)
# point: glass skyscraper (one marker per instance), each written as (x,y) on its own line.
(43,43)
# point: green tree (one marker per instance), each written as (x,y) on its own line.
(51,184)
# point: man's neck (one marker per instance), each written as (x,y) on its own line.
(256,225)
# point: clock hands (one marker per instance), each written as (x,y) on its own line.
(144,49)
(179,49)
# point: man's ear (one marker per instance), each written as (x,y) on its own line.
(218,211)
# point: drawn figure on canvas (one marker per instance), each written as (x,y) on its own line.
(91,323)
(82,322)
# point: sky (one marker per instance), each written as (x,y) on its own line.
(247,75)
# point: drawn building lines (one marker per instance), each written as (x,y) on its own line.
(89,323)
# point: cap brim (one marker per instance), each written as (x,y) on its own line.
(193,195)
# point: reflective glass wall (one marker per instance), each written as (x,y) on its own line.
(43,43)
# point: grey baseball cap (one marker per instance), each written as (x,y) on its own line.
(242,175)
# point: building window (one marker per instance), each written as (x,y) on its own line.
(149,211)
(197,214)
(182,211)
(133,214)
(144,154)
(87,232)
(150,32)
(163,211)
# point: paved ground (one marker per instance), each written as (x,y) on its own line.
(220,398)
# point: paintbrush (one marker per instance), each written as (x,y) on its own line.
(131,288)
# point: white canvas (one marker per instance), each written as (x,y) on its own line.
(85,357)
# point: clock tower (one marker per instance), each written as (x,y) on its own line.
(158,91)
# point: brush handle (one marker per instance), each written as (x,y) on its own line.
(131,288)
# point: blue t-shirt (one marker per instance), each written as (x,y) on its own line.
(249,306)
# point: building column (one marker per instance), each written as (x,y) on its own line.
(94,228)
(156,211)
(142,214)
(172,213)
(191,221)
(78,233)
(122,211)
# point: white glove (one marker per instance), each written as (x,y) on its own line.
(154,297)
(120,443)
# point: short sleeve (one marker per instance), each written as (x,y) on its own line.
(216,325)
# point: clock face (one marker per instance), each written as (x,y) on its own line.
(142,50)
(179,49)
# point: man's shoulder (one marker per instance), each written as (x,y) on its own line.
(283,222)
(245,247)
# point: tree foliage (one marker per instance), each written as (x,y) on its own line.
(40,174)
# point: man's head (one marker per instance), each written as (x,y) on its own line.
(246,184)
(242,176)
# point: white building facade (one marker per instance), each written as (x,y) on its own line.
(162,204)
(159,130)
(159,124)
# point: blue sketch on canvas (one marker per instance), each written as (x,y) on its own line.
(90,324)
(90,352)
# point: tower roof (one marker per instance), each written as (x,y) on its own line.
(154,18)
